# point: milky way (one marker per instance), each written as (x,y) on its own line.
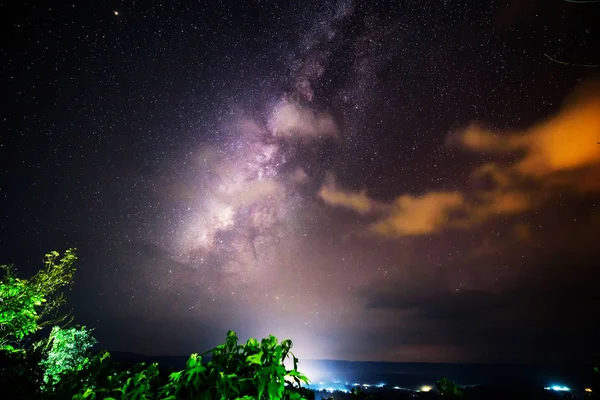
(242,197)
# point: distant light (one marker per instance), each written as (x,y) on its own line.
(380,385)
(426,388)
(588,390)
(558,388)
(116,12)
(397,387)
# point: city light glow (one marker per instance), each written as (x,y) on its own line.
(558,388)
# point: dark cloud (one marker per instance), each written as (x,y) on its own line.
(549,316)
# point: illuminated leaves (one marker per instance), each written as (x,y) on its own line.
(18,315)
(236,371)
(242,372)
(27,305)
(68,352)
(449,389)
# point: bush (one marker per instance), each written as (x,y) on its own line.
(28,305)
(68,351)
(250,371)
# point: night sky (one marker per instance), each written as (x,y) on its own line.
(395,181)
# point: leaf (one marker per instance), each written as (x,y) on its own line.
(255,358)
(253,343)
(175,377)
(275,390)
(299,375)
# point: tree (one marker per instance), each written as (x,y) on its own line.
(449,389)
(68,351)
(28,305)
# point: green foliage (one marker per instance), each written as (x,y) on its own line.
(242,372)
(18,315)
(449,389)
(27,305)
(250,371)
(100,373)
(67,350)
(55,276)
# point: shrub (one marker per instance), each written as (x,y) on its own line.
(67,350)
(27,305)
(449,389)
(250,371)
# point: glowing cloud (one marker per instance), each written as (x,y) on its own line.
(359,202)
(289,119)
(497,203)
(561,152)
(419,215)
(407,215)
(554,150)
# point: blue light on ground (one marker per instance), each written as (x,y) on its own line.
(558,388)
(346,387)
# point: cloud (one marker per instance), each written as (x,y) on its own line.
(476,138)
(419,215)
(557,154)
(500,319)
(561,151)
(496,203)
(407,215)
(430,213)
(299,176)
(290,119)
(358,202)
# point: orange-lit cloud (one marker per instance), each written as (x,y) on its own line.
(561,151)
(358,202)
(411,215)
(489,204)
(406,216)
(556,154)
(522,232)
(419,215)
